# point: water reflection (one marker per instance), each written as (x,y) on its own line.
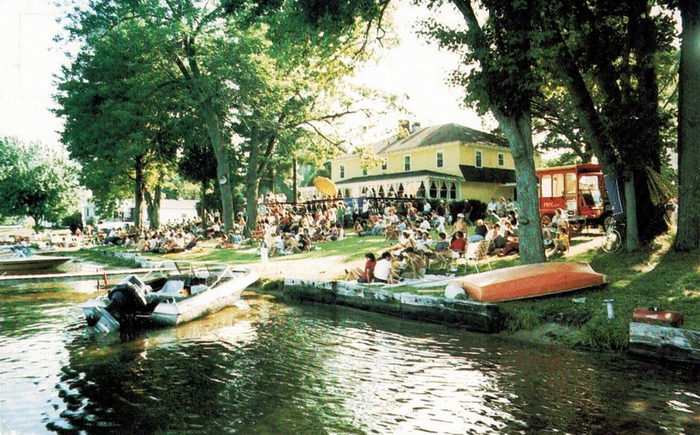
(314,369)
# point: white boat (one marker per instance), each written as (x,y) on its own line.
(170,299)
(23,263)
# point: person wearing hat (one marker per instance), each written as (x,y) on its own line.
(460,224)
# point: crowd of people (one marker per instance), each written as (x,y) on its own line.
(419,234)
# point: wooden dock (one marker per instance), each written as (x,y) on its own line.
(470,315)
(7,280)
(673,344)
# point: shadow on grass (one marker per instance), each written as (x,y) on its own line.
(668,280)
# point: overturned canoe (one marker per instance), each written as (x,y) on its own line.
(529,281)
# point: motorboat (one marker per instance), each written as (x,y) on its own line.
(529,281)
(22,259)
(161,299)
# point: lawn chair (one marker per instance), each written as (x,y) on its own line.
(477,252)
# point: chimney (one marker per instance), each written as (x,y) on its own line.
(415,126)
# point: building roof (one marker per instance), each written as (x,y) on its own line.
(409,174)
(435,135)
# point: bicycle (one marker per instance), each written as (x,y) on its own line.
(614,236)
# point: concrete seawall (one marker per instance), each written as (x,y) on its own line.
(470,315)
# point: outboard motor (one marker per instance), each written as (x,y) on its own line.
(127,297)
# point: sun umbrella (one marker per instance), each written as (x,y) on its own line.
(325,186)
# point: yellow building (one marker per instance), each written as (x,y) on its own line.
(447,161)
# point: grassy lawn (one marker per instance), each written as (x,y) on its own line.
(352,248)
(652,277)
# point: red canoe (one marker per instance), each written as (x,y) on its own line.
(529,281)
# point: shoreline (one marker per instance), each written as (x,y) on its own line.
(655,276)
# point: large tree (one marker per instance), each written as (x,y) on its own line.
(119,116)
(688,234)
(35,183)
(607,56)
(504,81)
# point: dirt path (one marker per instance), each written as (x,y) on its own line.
(330,267)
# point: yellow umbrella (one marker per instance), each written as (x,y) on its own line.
(325,186)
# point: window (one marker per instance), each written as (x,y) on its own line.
(478,163)
(546,186)
(558,185)
(439,159)
(342,171)
(364,171)
(570,183)
(443,191)
(433,190)
(385,164)
(453,191)
(501,159)
(421,190)
(406,163)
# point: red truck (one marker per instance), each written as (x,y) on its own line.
(579,190)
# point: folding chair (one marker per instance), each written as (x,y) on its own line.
(476,253)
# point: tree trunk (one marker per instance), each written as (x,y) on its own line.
(222,165)
(202,206)
(138,191)
(251,188)
(518,131)
(688,232)
(294,181)
(631,215)
(153,207)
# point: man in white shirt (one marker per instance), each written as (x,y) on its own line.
(382,270)
(492,205)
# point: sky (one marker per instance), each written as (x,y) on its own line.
(414,68)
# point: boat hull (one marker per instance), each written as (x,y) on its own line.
(530,281)
(208,302)
(172,312)
(36,262)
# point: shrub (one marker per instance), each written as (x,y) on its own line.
(73,221)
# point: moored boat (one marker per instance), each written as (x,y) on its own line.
(32,262)
(529,281)
(168,299)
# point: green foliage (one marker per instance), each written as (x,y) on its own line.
(73,221)
(34,182)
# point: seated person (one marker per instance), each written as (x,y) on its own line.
(175,244)
(383,269)
(416,265)
(458,244)
(460,224)
(357,228)
(392,232)
(365,275)
(479,232)
(498,241)
(405,240)
(512,244)
(291,245)
(562,242)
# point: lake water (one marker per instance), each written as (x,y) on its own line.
(276,368)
